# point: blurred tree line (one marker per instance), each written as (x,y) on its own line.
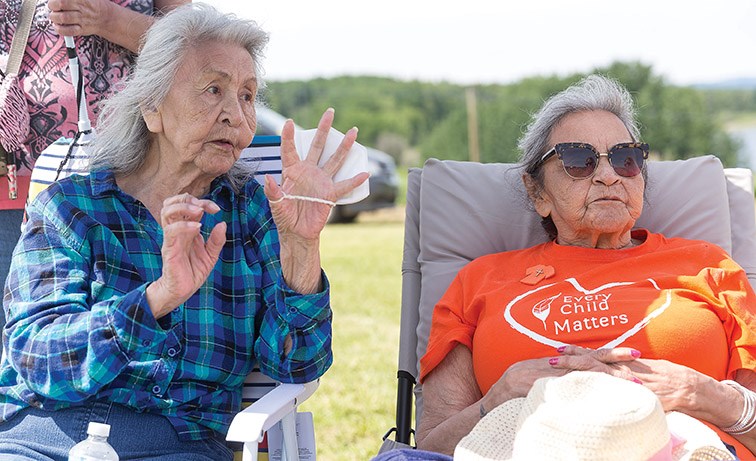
(430,119)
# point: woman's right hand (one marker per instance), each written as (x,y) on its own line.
(187,258)
(108,19)
(519,378)
(452,399)
(517,381)
(79,17)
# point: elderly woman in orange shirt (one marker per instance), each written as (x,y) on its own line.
(671,314)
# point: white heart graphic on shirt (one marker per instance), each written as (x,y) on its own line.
(611,344)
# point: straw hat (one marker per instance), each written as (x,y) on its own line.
(589,416)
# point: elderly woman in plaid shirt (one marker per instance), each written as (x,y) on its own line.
(142,294)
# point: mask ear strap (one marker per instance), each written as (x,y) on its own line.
(304,199)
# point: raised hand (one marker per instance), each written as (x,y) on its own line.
(187,258)
(302,218)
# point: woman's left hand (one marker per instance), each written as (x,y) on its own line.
(683,389)
(300,218)
(675,385)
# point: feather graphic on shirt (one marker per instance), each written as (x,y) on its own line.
(542,309)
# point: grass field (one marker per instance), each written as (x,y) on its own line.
(354,405)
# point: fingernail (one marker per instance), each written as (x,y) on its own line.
(637,381)
(561,349)
(553,361)
(635,353)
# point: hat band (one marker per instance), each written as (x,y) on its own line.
(665,454)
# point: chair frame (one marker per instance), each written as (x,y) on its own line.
(278,405)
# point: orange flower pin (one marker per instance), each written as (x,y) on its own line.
(535,274)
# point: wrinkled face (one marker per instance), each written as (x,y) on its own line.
(605,203)
(208,116)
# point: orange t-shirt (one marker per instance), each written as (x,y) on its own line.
(681,300)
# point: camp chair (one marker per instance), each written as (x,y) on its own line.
(458,211)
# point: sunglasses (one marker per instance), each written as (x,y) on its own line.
(580,160)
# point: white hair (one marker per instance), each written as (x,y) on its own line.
(123,139)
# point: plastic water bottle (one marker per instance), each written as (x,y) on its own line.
(95,447)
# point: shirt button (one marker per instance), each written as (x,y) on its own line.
(171,352)
(293,310)
(156,389)
(146,343)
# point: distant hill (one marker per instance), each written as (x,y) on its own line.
(746,83)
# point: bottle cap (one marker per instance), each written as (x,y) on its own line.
(98,429)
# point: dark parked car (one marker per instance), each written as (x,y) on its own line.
(384,182)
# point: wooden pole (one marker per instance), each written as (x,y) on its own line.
(472,125)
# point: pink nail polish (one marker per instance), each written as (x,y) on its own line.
(637,381)
(635,353)
(561,349)
(553,361)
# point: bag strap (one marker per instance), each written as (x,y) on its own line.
(18,45)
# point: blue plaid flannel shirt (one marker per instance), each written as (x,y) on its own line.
(79,326)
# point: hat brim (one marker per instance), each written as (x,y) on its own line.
(493,437)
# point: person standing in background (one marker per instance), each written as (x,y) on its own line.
(107,35)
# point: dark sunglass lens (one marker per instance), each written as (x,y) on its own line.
(627,161)
(579,162)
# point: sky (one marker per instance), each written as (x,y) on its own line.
(502,41)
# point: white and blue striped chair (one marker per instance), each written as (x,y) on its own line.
(266,402)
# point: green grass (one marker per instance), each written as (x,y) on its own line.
(355,403)
(402,196)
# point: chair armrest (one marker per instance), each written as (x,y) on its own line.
(250,424)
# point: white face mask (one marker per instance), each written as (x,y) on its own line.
(355,163)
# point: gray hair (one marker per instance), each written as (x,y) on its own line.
(594,92)
(123,139)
